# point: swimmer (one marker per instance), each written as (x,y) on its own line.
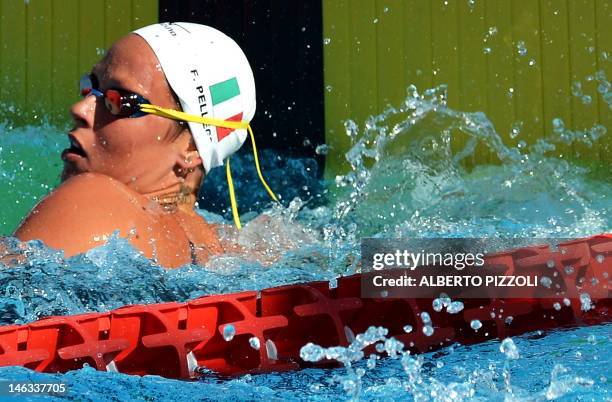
(139,172)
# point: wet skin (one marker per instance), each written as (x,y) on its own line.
(108,184)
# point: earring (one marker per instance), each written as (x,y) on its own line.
(184,190)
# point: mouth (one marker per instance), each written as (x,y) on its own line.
(75,150)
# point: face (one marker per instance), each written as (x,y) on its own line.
(139,151)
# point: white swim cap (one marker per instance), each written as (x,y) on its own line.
(211,77)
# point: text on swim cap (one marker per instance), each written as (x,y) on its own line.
(169,28)
(202,103)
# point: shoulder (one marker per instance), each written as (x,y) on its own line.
(90,186)
(82,212)
(89,196)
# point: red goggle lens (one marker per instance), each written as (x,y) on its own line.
(112,100)
(119,103)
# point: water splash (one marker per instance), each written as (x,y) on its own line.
(491,371)
(228,332)
(254,342)
(405,180)
(521,49)
(40,282)
(475,325)
(508,348)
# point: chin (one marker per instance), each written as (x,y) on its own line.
(66,174)
(70,170)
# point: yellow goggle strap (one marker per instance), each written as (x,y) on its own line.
(178,115)
(230,184)
(256,158)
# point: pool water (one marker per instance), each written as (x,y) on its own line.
(406,180)
(564,365)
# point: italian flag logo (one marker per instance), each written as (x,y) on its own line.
(226,101)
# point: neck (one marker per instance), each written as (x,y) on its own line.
(178,197)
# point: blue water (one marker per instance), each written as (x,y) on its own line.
(564,365)
(405,181)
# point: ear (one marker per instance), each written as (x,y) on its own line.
(187,156)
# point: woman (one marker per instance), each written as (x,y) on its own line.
(138,172)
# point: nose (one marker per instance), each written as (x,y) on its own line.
(83,111)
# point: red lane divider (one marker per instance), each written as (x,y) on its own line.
(265,330)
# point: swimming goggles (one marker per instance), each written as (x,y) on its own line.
(119,102)
(122,103)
